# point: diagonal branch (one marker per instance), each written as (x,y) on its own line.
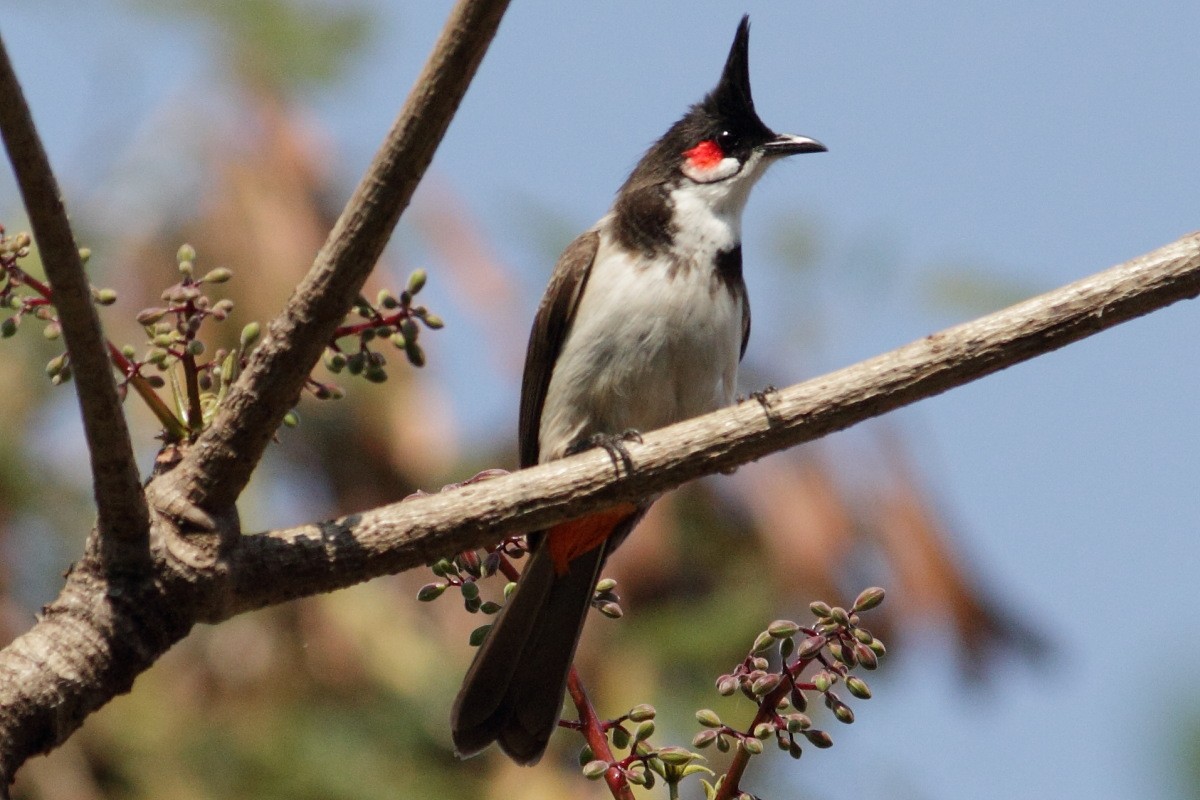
(92,642)
(217,469)
(274,567)
(124,522)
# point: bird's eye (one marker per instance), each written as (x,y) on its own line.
(727,141)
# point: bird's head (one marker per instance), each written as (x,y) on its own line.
(720,142)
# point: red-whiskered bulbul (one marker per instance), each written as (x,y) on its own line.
(643,324)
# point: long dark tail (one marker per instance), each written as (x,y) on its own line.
(513,692)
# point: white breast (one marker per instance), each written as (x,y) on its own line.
(652,343)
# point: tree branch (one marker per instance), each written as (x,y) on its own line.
(218,467)
(273,567)
(124,521)
(99,635)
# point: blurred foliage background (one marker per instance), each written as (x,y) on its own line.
(346,696)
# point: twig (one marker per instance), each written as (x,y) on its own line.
(590,724)
(218,467)
(124,522)
(593,731)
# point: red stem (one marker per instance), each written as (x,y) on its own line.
(589,724)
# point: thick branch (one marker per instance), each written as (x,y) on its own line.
(218,467)
(98,636)
(273,567)
(124,521)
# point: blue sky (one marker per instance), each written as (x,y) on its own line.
(1038,142)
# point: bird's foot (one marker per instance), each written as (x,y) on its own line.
(613,444)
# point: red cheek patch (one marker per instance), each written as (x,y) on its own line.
(705,155)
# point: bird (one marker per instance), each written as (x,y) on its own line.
(643,324)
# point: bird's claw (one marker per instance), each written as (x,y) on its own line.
(613,444)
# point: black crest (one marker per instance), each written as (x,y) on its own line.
(726,115)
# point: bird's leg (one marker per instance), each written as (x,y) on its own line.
(762,396)
(613,444)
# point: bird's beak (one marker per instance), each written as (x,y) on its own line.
(784,144)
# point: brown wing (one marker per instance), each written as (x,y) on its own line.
(550,328)
(745,321)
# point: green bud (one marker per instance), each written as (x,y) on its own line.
(585,754)
(782,628)
(766,684)
(858,687)
(811,647)
(822,681)
(416,356)
(155,381)
(85,255)
(794,750)
(704,738)
(839,615)
(63,375)
(868,599)
(128,351)
(818,738)
(727,685)
(843,654)
(375,374)
(863,635)
(509,588)
(620,737)
(723,743)
(867,656)
(752,746)
(186,268)
(763,730)
(218,275)
(762,642)
(431,591)
(611,610)
(819,609)
(291,419)
(644,731)
(56,364)
(442,567)
(195,347)
(9,327)
(490,607)
(185,253)
(675,756)
(250,335)
(149,316)
(478,635)
(335,362)
(470,589)
(433,321)
(877,647)
(606,585)
(798,722)
(398,340)
(386,299)
(708,718)
(105,297)
(416,281)
(641,713)
(594,770)
(843,713)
